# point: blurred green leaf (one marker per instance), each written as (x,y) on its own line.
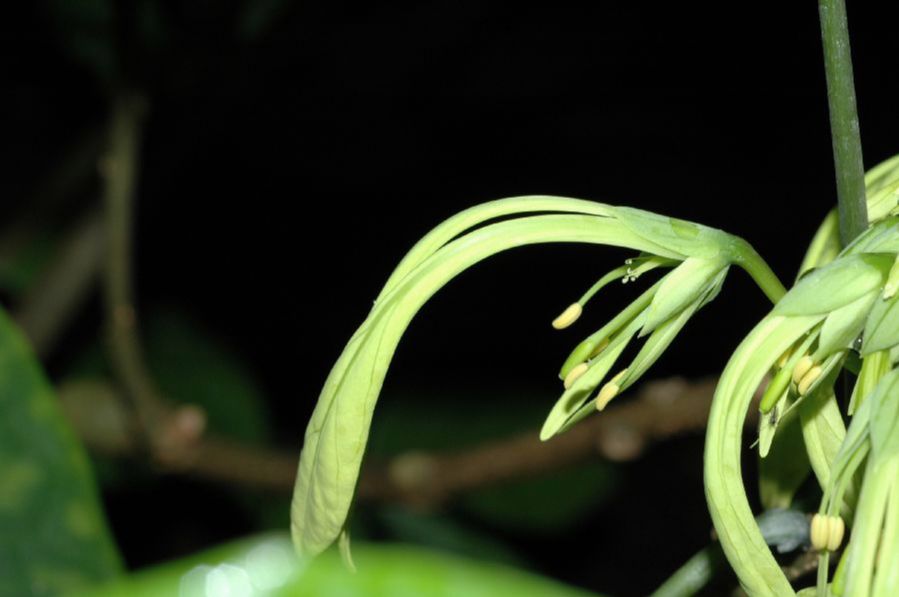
(446,534)
(53,537)
(268,565)
(20,265)
(192,366)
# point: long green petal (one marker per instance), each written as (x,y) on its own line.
(477,215)
(338,430)
(756,568)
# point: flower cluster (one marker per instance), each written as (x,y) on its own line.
(840,315)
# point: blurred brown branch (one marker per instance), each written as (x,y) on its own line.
(49,304)
(660,410)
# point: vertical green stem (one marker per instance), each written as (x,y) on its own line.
(847,145)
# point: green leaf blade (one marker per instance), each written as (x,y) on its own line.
(53,537)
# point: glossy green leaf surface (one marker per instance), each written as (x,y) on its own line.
(268,566)
(53,537)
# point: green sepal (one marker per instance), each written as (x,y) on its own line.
(885,416)
(882,326)
(823,431)
(683,286)
(843,326)
(664,335)
(835,285)
(781,473)
(874,367)
(679,238)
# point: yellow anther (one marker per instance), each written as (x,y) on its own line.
(574,374)
(802,367)
(808,380)
(568,316)
(835,533)
(820,531)
(599,348)
(609,390)
(782,361)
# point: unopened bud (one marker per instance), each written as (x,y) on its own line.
(574,374)
(568,316)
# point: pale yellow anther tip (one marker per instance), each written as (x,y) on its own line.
(819,531)
(802,367)
(609,391)
(599,348)
(889,291)
(835,533)
(568,316)
(808,380)
(574,374)
(782,361)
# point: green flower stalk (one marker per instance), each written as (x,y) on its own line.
(338,430)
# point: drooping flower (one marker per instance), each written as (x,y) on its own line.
(338,430)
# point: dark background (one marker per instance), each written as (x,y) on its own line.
(294,151)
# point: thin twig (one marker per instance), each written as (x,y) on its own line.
(119,169)
(62,288)
(661,409)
